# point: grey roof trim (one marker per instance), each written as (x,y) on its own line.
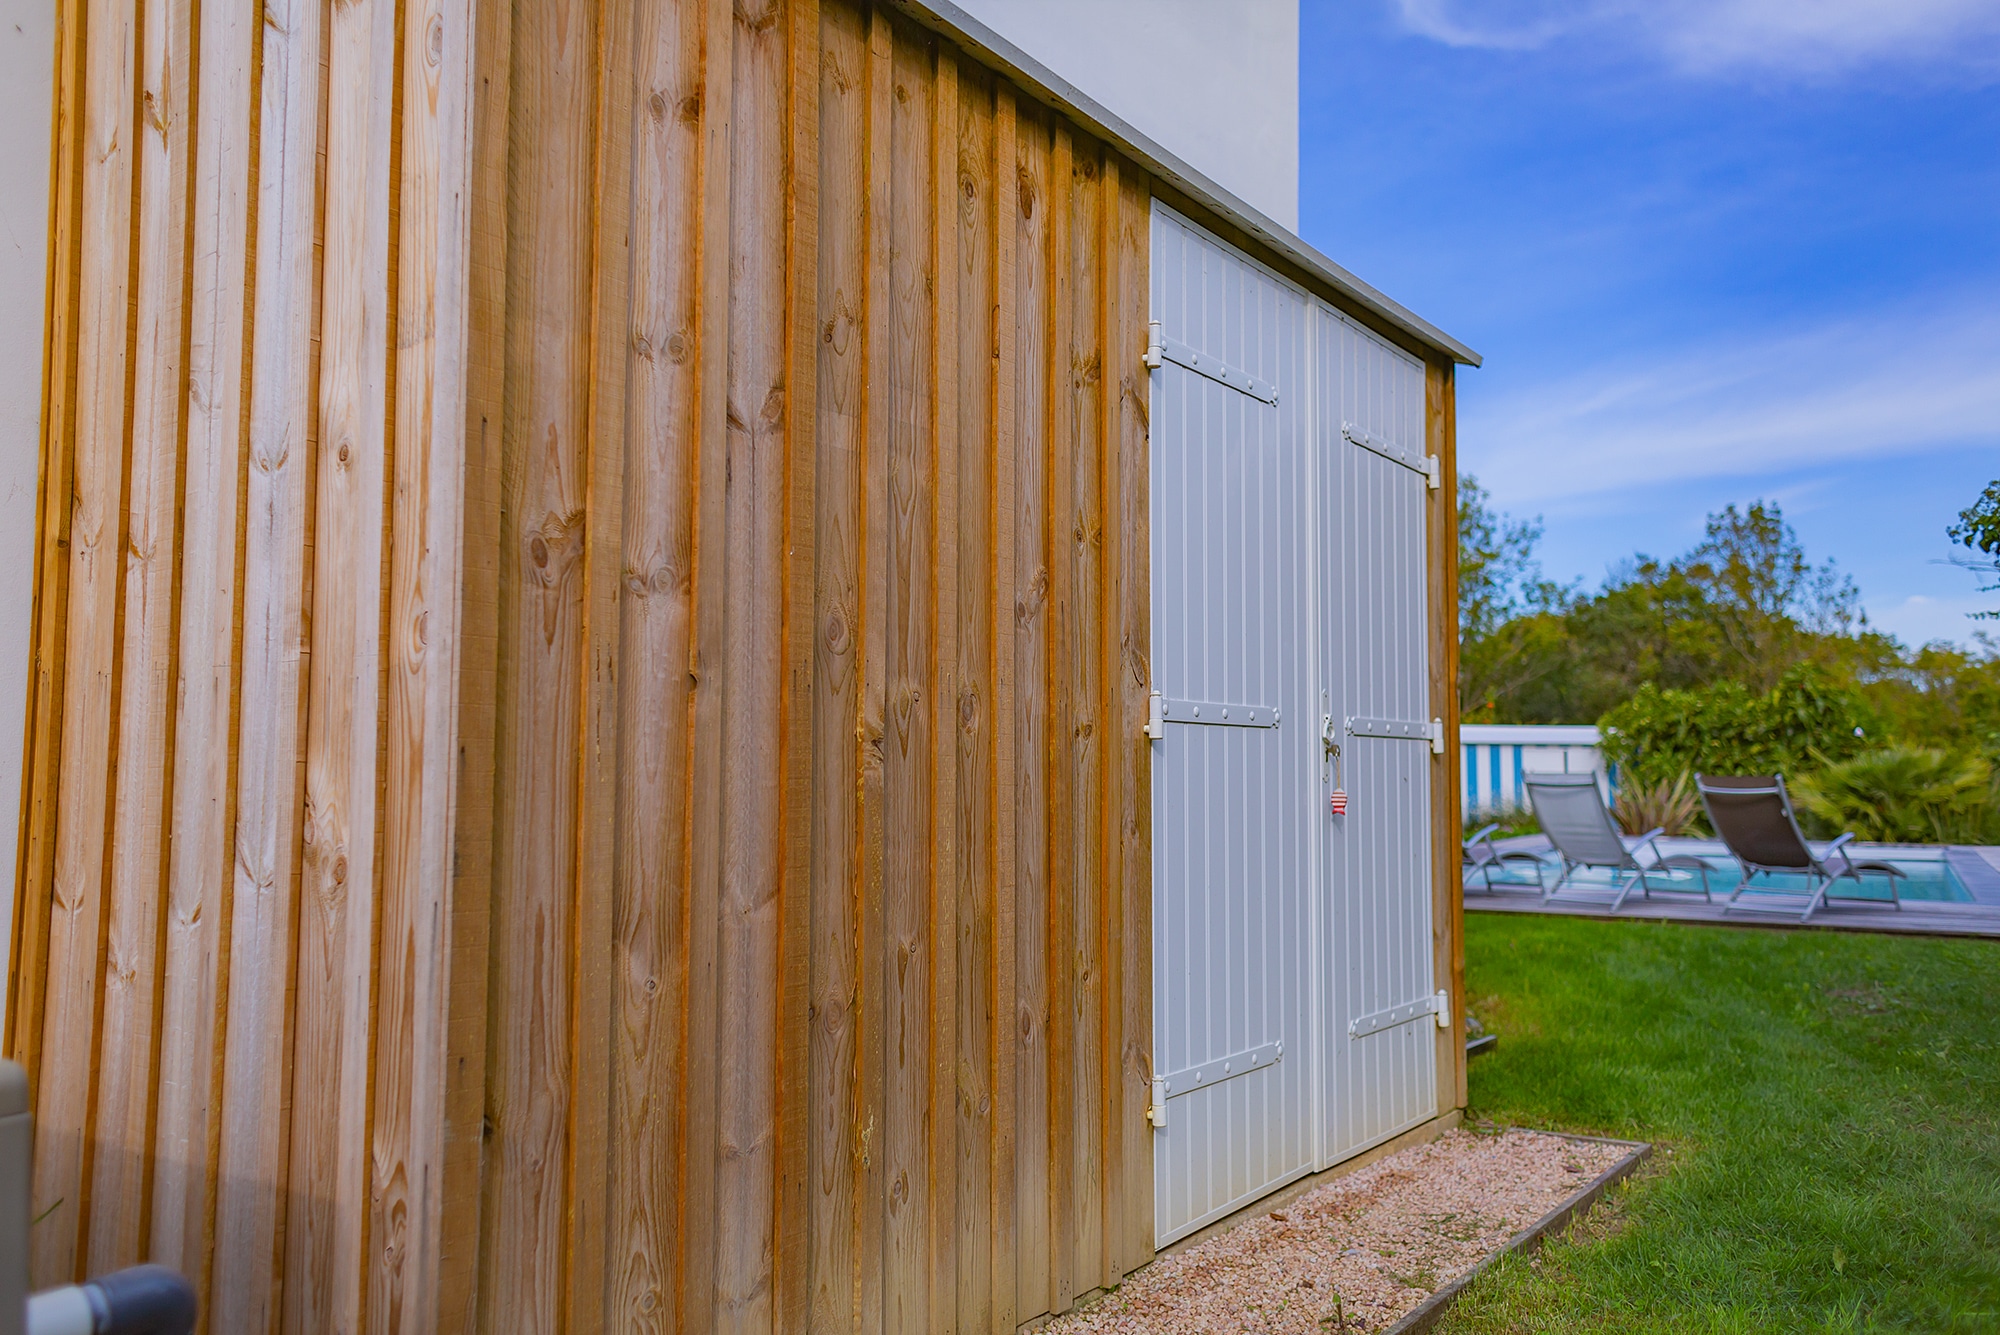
(995,51)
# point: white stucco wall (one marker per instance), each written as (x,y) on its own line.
(1215,82)
(27,63)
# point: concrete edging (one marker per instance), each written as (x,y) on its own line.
(1433,1308)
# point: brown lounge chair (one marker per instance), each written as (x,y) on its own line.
(1573,815)
(1753,815)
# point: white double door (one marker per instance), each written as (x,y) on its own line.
(1288,569)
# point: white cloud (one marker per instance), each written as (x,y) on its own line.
(1808,37)
(1918,619)
(1902,381)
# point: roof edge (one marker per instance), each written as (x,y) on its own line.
(998,53)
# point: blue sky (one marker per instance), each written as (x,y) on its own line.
(1712,250)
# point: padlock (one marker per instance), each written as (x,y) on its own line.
(1339,801)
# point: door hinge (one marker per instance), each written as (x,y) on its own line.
(1156,346)
(1156,1113)
(1444,1009)
(1433,472)
(1156,716)
(1437,736)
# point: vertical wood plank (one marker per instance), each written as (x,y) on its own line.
(794,1248)
(1059,484)
(840,424)
(589,1248)
(878,407)
(1447,892)
(326,1233)
(453,272)
(941,1188)
(1113,743)
(909,778)
(1133,938)
(707,664)
(650,875)
(752,677)
(965,178)
(1005,222)
(27,976)
(199,878)
(86,793)
(125,1101)
(1080,531)
(1034,308)
(251,1180)
(540,683)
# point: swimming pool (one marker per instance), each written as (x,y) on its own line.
(1926,874)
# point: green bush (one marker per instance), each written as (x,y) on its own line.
(1902,794)
(1805,721)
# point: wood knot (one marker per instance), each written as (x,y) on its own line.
(690,108)
(657,104)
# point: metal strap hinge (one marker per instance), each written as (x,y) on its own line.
(1156,716)
(1415,730)
(1156,1113)
(1155,347)
(1438,1005)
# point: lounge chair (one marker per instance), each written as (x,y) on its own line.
(1753,815)
(1573,815)
(1482,857)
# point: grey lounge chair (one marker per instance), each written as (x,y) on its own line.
(1573,815)
(1482,857)
(1753,815)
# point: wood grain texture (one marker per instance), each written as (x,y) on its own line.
(699,1226)
(186,1143)
(871,1116)
(282,436)
(1005,215)
(327,1219)
(836,1149)
(540,685)
(752,677)
(464,112)
(606,817)
(27,967)
(589,1248)
(86,794)
(1033,304)
(650,873)
(793,1281)
(148,670)
(1080,442)
(967,200)
(1061,750)
(428,1068)
(1128,305)
(909,610)
(941,908)
(1447,891)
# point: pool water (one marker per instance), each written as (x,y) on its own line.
(1925,878)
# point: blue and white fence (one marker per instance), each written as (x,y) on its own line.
(1499,756)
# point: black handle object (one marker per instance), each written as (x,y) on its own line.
(143,1300)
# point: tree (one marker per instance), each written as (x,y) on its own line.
(1978,528)
(1765,598)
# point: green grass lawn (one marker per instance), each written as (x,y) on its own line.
(1827,1111)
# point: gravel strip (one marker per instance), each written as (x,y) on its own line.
(1365,1249)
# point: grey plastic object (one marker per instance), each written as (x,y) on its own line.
(17,1139)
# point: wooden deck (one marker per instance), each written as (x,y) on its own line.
(1978,869)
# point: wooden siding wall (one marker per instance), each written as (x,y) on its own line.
(585,764)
